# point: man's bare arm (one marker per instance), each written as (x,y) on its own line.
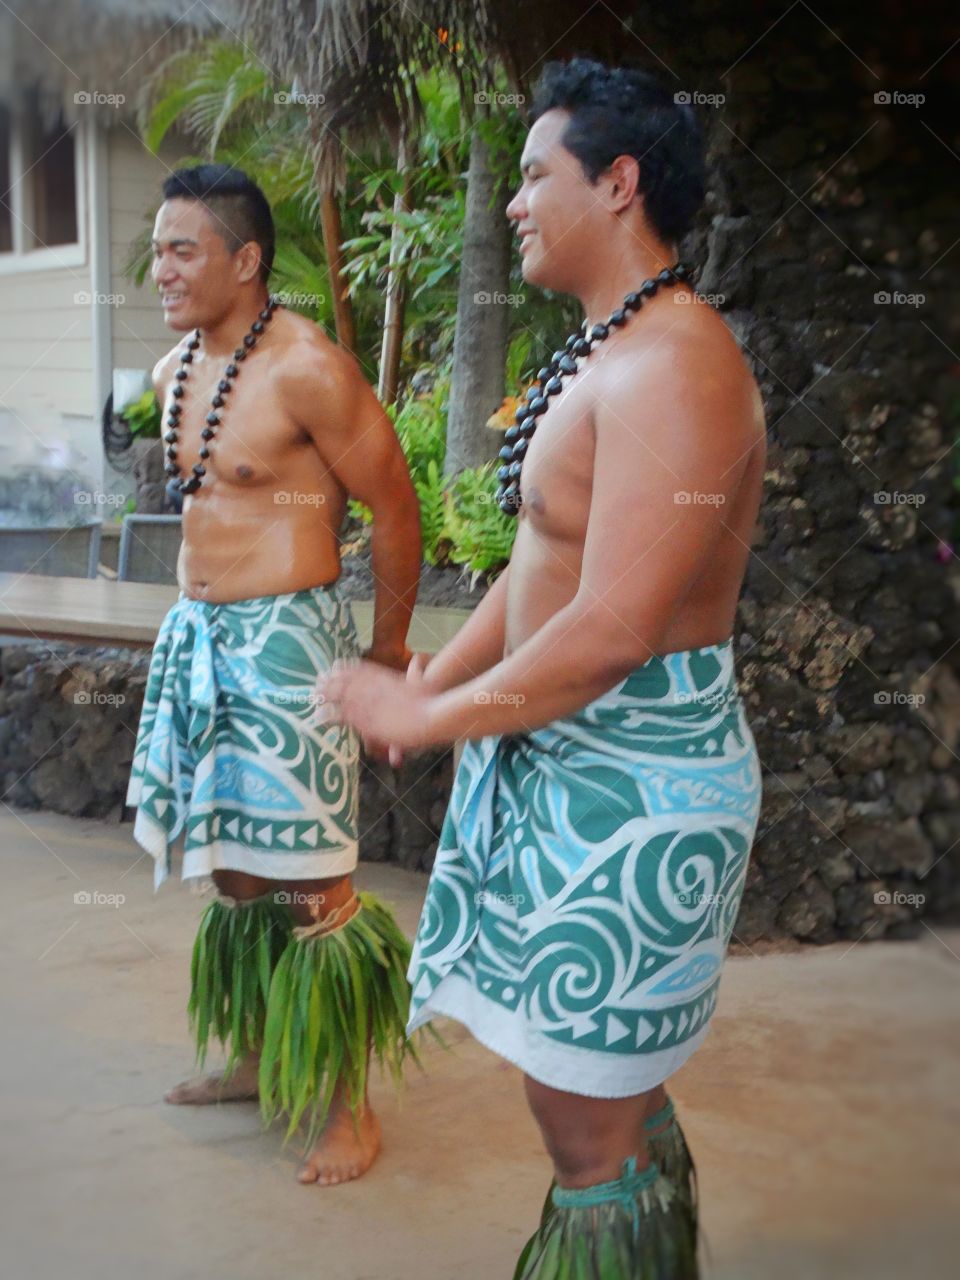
(326,392)
(642,553)
(477,646)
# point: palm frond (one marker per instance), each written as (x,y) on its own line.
(335,1000)
(234,954)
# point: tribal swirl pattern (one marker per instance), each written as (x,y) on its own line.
(589,876)
(229,748)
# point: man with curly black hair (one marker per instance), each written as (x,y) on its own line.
(594,854)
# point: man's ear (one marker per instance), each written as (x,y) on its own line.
(247,262)
(624,179)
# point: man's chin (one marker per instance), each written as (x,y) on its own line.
(535,271)
(179,321)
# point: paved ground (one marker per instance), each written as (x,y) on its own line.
(823,1110)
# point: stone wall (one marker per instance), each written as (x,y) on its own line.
(828,236)
(68,724)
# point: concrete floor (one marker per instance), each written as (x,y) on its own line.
(823,1109)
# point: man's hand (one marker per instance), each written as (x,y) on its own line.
(415,674)
(377,747)
(380,704)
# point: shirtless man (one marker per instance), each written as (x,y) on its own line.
(594,853)
(229,749)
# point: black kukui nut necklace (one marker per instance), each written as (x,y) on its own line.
(213,417)
(550,382)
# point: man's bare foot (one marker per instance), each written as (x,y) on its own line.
(240,1086)
(342,1152)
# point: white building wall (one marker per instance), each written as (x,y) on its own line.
(135,175)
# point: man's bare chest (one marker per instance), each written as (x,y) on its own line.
(245,439)
(556,479)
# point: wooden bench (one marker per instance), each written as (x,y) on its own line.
(107,612)
(100,611)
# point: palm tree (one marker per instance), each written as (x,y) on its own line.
(220,95)
(365,57)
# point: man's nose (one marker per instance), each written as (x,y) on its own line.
(514,209)
(162,271)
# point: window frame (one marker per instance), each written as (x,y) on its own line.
(47,257)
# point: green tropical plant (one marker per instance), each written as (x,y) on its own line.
(419,424)
(430,491)
(481,536)
(143,416)
(460,522)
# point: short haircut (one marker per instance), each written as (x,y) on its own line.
(240,210)
(616,111)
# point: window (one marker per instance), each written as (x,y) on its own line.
(50,169)
(39,187)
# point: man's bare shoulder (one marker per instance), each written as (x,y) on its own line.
(676,335)
(164,370)
(686,354)
(315,379)
(307,363)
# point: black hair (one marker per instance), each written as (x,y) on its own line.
(240,209)
(616,111)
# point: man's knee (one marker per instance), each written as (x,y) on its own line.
(241,885)
(309,900)
(582,1134)
(314,900)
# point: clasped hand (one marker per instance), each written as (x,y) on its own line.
(390,709)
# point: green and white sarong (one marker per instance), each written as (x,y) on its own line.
(588,878)
(231,752)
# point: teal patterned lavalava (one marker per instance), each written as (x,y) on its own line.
(588,879)
(232,751)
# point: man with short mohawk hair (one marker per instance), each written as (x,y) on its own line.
(594,853)
(269,428)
